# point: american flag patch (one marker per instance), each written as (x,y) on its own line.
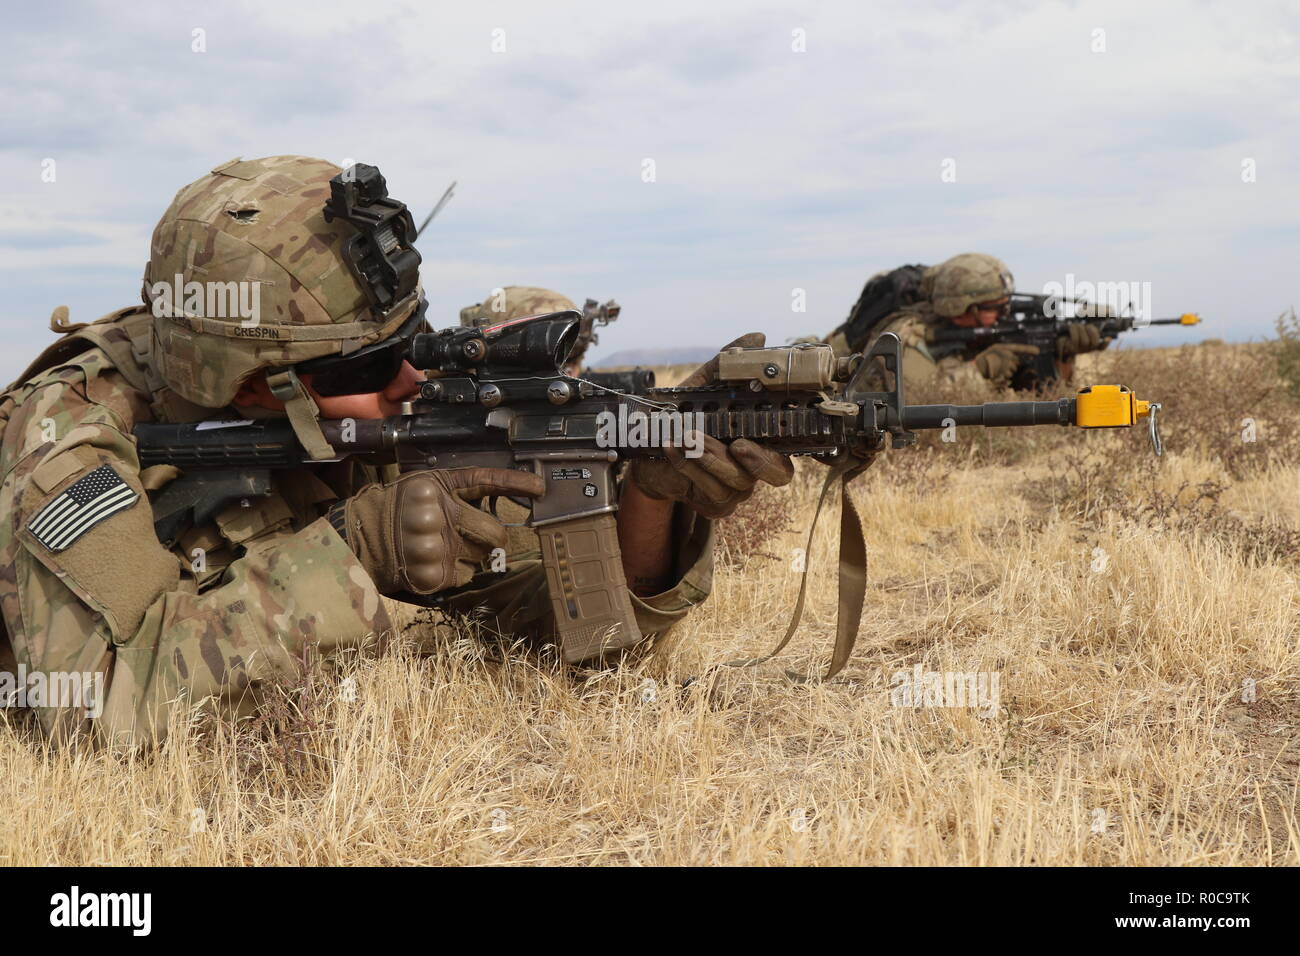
(96,496)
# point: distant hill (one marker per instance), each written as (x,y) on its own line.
(684,355)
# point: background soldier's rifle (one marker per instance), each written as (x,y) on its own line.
(1040,320)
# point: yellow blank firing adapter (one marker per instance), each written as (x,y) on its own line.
(1115,406)
(1108,406)
(1189,318)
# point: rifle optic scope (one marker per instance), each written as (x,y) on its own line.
(533,343)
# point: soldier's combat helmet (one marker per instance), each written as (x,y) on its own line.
(514,302)
(265,263)
(967,280)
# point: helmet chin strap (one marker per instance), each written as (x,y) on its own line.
(303,414)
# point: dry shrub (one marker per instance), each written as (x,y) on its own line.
(1083,484)
(1288,351)
(924,467)
(1089,487)
(288,738)
(1196,509)
(1227,403)
(751,529)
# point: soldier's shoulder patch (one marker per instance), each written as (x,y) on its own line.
(94,497)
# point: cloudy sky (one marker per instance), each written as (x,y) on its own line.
(794,146)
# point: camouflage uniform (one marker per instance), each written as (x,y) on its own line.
(920,365)
(269,579)
(237,600)
(517,601)
(951,288)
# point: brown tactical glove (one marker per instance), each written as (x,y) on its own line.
(999,362)
(724,475)
(419,533)
(1079,337)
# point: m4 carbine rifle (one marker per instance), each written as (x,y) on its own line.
(501,401)
(1040,320)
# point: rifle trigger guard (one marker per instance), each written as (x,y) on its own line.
(492,509)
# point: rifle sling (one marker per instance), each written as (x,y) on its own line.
(852,577)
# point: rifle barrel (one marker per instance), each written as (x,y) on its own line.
(990,414)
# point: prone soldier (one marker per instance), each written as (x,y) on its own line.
(971,290)
(514,602)
(232,598)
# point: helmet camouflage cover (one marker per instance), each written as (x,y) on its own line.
(514,302)
(968,279)
(254,233)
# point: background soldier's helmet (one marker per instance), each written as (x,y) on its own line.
(517,301)
(274,283)
(968,279)
(514,302)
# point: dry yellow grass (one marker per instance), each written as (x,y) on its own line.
(1120,737)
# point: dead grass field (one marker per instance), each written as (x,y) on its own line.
(1145,634)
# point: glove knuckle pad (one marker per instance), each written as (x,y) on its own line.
(420,518)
